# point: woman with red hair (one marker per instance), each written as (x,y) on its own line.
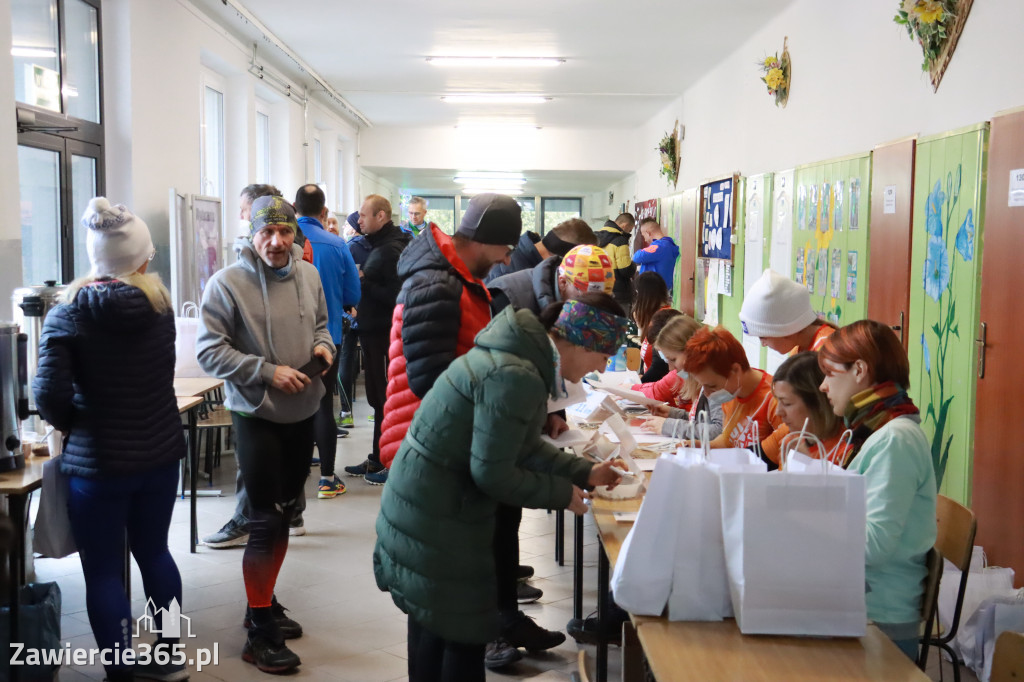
(866,379)
(718,362)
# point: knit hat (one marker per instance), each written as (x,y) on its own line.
(776,306)
(353,221)
(588,268)
(492,219)
(118,242)
(270,210)
(591,328)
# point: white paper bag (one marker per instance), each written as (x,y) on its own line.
(794,550)
(187,327)
(642,577)
(52,536)
(700,586)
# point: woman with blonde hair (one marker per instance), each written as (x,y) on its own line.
(105,378)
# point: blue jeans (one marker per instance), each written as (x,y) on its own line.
(102,510)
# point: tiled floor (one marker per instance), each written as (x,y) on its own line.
(352,630)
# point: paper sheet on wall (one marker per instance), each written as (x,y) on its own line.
(724,278)
(889,199)
(781,256)
(711,297)
(1016,188)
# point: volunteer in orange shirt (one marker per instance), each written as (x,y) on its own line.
(718,362)
(778,311)
(799,399)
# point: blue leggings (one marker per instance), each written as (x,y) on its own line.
(101,509)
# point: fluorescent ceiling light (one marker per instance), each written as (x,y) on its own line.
(492,178)
(41,52)
(491,190)
(500,62)
(495,98)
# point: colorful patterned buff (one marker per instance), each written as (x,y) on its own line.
(589,269)
(591,328)
(271,211)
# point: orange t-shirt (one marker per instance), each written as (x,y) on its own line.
(824,331)
(772,446)
(740,414)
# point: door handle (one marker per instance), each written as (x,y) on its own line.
(981,344)
(899,327)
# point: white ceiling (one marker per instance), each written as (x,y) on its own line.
(538,182)
(625,61)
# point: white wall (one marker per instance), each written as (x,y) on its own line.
(10,229)
(857,83)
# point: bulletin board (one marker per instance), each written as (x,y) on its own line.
(719,284)
(830,238)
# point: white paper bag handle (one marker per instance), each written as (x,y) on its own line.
(703,420)
(190,309)
(794,440)
(845,440)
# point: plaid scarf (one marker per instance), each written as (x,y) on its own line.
(872,409)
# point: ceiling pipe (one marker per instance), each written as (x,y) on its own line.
(331,93)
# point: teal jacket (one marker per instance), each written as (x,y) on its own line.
(899,478)
(474,443)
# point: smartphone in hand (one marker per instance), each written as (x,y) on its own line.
(314,367)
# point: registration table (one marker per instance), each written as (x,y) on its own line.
(17,485)
(191,392)
(702,651)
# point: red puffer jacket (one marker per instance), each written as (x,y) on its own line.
(441,308)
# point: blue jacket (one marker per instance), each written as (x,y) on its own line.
(106,379)
(659,257)
(333,260)
(360,249)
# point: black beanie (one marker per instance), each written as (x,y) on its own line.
(492,219)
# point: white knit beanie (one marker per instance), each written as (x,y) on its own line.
(776,306)
(117,241)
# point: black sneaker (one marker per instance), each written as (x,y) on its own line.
(524,632)
(268,655)
(589,631)
(363,468)
(289,628)
(527,594)
(499,654)
(524,573)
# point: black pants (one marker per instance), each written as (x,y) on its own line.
(432,659)
(506,558)
(348,368)
(325,430)
(375,362)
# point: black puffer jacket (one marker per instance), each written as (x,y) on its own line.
(532,289)
(106,378)
(380,279)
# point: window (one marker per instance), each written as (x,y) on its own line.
(57,84)
(262,145)
(556,210)
(318,163)
(211,157)
(340,205)
(529,207)
(440,210)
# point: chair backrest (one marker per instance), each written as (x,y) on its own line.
(956,528)
(583,667)
(933,562)
(1008,660)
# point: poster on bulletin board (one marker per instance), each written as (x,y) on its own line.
(715,240)
(643,210)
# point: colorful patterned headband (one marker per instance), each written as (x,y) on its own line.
(591,328)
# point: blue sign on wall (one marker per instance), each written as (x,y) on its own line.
(717,221)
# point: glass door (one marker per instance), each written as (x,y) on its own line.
(84,173)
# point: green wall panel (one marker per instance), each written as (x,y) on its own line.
(949,191)
(729,306)
(828,230)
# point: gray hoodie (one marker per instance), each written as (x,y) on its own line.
(251,321)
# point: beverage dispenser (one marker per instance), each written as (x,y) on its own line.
(13,394)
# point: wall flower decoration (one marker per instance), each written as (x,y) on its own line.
(776,76)
(935,25)
(668,148)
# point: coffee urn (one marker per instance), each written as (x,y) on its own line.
(13,394)
(30,306)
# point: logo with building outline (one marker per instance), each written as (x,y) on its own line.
(170,621)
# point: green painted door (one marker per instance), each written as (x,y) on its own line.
(949,195)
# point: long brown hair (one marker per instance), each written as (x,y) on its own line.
(651,296)
(804,375)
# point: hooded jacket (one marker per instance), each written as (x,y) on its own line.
(615,241)
(106,379)
(380,279)
(338,275)
(252,320)
(524,257)
(659,257)
(474,443)
(531,290)
(441,309)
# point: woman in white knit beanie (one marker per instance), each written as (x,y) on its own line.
(778,311)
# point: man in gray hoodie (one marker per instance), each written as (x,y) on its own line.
(261,318)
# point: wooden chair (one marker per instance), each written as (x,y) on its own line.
(929,602)
(582,673)
(633,359)
(1008,660)
(957,526)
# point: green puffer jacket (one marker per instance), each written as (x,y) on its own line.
(474,442)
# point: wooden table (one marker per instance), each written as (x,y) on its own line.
(17,485)
(188,406)
(195,386)
(700,651)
